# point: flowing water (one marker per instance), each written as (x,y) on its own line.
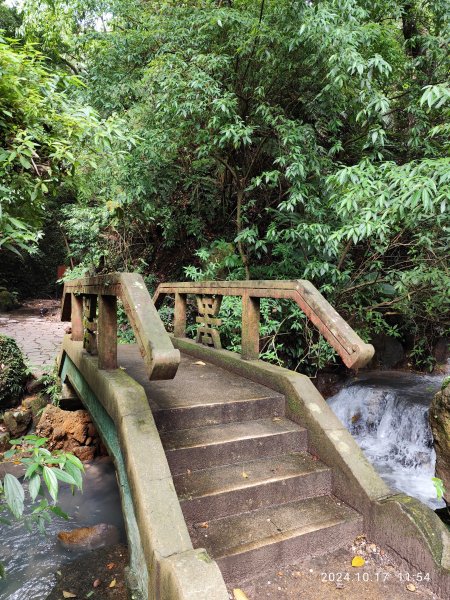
(31,560)
(387,414)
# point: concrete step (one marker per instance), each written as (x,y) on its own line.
(210,412)
(251,543)
(250,485)
(205,447)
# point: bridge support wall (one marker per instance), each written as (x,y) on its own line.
(163,562)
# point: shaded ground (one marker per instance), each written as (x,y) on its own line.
(97,575)
(332,576)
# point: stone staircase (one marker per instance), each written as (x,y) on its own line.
(250,492)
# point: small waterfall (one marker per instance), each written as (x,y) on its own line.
(387,414)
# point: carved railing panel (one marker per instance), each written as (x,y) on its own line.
(207,332)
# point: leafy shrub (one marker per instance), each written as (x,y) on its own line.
(13,372)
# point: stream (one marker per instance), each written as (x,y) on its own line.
(387,414)
(31,560)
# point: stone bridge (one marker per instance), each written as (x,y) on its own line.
(227,465)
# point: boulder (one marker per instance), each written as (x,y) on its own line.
(36,404)
(4,441)
(439,417)
(17,421)
(89,538)
(441,353)
(389,352)
(69,431)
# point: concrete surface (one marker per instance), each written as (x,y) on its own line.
(38,337)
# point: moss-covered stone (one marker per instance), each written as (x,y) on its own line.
(439,417)
(12,372)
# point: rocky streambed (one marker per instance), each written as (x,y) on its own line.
(36,564)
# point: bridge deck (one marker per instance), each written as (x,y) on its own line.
(196,383)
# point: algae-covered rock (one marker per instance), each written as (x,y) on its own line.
(17,421)
(13,372)
(439,417)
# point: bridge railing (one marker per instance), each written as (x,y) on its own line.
(90,304)
(354,352)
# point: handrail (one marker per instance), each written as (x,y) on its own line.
(354,352)
(81,298)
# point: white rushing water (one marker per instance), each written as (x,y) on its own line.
(31,560)
(387,414)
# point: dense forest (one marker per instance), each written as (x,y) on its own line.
(261,139)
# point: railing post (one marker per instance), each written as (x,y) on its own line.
(179,320)
(107,333)
(76,317)
(250,327)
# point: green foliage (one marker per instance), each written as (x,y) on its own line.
(44,471)
(46,135)
(439,486)
(275,140)
(51,385)
(13,372)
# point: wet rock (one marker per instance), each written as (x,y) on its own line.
(35,403)
(389,352)
(4,441)
(34,386)
(84,452)
(68,431)
(17,421)
(439,417)
(89,538)
(441,351)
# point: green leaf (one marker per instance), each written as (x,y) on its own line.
(75,472)
(63,476)
(59,513)
(439,486)
(75,461)
(14,495)
(51,482)
(34,486)
(31,469)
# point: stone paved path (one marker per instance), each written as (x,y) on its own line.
(39,337)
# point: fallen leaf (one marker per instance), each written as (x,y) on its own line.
(358,561)
(411,587)
(239,594)
(96,583)
(113,583)
(91,593)
(110,566)
(200,362)
(69,595)
(244,475)
(204,525)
